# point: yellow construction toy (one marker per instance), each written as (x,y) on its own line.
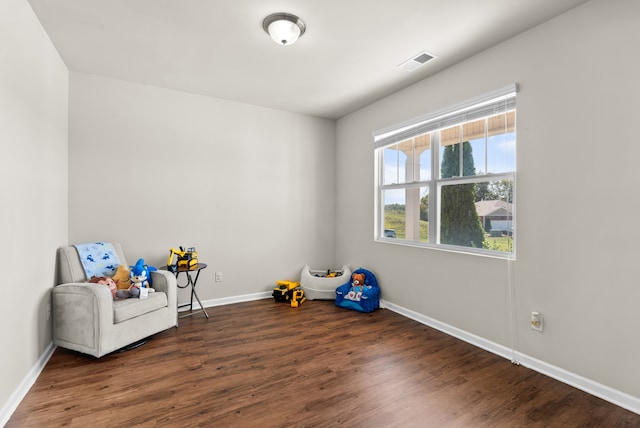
(297,298)
(284,290)
(182,260)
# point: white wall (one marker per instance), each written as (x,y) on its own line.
(33,183)
(251,188)
(577,219)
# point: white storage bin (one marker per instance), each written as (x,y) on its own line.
(320,287)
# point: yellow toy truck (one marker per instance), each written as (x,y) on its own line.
(182,260)
(289,291)
(284,290)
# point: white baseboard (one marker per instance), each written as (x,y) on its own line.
(599,390)
(14,401)
(485,344)
(233,299)
(614,396)
(237,299)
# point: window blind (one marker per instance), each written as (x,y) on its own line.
(499,101)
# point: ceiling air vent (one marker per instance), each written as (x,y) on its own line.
(415,62)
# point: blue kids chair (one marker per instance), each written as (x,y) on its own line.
(361,297)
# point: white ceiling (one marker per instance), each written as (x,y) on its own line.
(347,58)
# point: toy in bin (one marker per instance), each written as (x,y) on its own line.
(288,291)
(182,259)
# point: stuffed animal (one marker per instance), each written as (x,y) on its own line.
(140,281)
(122,278)
(357,287)
(105,280)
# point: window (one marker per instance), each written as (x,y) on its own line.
(448,179)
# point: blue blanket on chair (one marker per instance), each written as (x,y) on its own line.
(98,259)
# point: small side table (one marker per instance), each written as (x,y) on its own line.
(191,282)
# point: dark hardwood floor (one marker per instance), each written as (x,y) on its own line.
(265,364)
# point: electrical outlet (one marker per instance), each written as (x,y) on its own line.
(218,276)
(537,321)
(48,311)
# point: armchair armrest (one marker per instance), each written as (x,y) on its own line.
(165,281)
(80,312)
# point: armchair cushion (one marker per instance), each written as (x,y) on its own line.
(126,309)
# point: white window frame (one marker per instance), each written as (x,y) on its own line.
(495,102)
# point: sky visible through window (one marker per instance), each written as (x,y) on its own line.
(497,156)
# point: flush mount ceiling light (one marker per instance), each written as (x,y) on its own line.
(284,28)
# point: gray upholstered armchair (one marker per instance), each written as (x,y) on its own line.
(87,319)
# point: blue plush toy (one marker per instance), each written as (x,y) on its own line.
(140,276)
